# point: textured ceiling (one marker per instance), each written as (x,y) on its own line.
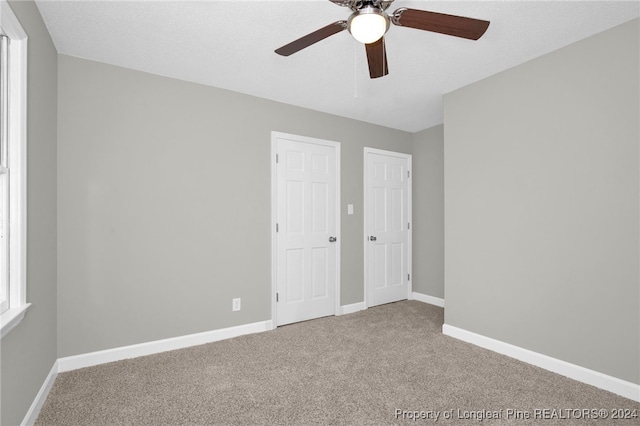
(230,44)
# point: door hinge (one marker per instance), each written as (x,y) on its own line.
(276,297)
(277,159)
(277,227)
(408,225)
(408,173)
(408,277)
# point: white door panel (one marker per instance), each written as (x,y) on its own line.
(387,220)
(307,210)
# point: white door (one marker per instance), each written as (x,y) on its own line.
(307,223)
(387,226)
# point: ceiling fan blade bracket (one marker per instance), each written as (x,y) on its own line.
(356,5)
(395,17)
(384,4)
(351,4)
(344,3)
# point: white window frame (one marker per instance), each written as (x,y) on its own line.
(4,174)
(17,146)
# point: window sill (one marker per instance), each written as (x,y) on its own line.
(11,318)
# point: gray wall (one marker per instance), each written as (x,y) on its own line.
(428,212)
(164,204)
(29,350)
(541,205)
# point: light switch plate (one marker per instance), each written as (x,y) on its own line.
(349,208)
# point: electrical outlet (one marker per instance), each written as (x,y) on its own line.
(236,304)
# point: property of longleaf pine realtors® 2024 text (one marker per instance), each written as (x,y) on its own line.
(512,414)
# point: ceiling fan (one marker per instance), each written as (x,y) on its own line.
(369,22)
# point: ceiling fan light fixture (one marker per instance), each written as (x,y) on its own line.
(368,24)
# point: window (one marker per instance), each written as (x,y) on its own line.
(4,176)
(13,149)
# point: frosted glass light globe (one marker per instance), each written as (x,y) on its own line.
(368,25)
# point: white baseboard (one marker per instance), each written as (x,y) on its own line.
(350,309)
(116,354)
(575,372)
(428,299)
(41,397)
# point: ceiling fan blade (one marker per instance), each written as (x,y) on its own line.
(457,26)
(377,58)
(312,38)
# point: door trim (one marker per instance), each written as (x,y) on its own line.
(274,184)
(408,157)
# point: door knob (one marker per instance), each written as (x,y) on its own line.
(372,238)
(332,239)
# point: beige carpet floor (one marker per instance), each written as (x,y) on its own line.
(365,368)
